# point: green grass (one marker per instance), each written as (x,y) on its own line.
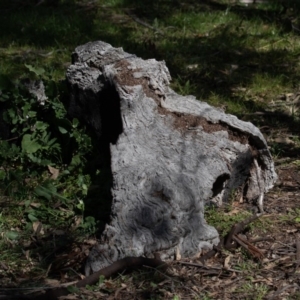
(222,220)
(253,291)
(255,45)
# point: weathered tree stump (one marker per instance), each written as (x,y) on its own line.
(170,155)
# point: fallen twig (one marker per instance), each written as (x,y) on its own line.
(297,262)
(261,239)
(209,270)
(229,242)
(116,267)
(248,246)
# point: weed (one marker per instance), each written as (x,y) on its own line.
(292,217)
(43,159)
(222,220)
(253,291)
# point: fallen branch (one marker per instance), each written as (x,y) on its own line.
(248,246)
(231,241)
(113,269)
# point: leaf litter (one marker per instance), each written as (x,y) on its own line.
(236,274)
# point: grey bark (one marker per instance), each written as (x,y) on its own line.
(170,155)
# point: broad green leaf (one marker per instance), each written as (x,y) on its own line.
(62,130)
(76,160)
(36,70)
(13,116)
(12,235)
(43,192)
(75,123)
(51,143)
(47,190)
(31,114)
(41,125)
(29,145)
(32,218)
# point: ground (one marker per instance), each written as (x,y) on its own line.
(228,275)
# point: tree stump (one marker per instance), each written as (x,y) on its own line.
(171,155)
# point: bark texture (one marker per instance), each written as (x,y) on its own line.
(170,155)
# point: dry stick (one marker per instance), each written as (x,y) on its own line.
(249,247)
(278,292)
(116,267)
(285,245)
(237,228)
(297,263)
(134,262)
(261,239)
(260,201)
(173,280)
(209,270)
(298,248)
(228,242)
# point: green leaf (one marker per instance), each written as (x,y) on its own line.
(2,174)
(37,71)
(80,205)
(51,143)
(101,279)
(75,123)
(12,235)
(47,190)
(13,116)
(29,145)
(72,289)
(39,161)
(62,130)
(76,160)
(31,114)
(42,192)
(41,125)
(32,218)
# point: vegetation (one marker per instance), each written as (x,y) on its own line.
(54,191)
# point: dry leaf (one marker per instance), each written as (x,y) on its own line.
(54,172)
(38,228)
(77,221)
(34,204)
(226,262)
(27,254)
(178,256)
(233,212)
(291,230)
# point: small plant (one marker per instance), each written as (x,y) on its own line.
(43,160)
(254,291)
(224,221)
